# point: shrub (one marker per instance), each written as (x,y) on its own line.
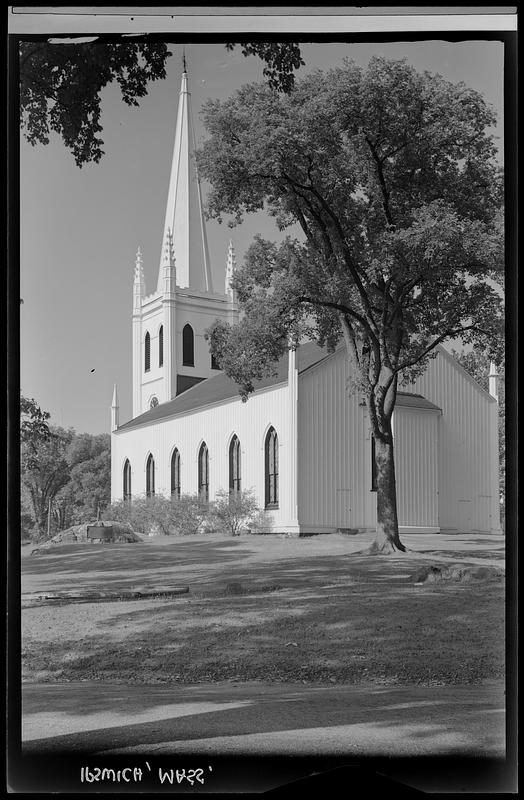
(189,514)
(183,515)
(144,514)
(235,511)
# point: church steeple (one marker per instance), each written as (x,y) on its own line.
(170,350)
(184,211)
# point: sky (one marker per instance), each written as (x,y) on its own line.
(80,228)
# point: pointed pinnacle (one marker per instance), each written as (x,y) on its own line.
(168,254)
(139,272)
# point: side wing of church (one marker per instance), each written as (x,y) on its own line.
(301,442)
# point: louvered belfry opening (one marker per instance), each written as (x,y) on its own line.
(147,353)
(188,346)
(161,346)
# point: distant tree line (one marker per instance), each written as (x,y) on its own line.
(65,476)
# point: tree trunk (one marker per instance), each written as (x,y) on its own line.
(387,538)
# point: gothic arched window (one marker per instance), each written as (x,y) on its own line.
(175,473)
(188,346)
(161,346)
(150,476)
(127,480)
(203,472)
(147,353)
(234,465)
(271,468)
(214,362)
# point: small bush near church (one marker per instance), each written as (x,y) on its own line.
(184,515)
(190,514)
(236,511)
(144,514)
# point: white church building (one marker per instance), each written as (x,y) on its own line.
(302,441)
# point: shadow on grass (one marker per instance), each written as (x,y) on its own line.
(356,629)
(396,720)
(120,567)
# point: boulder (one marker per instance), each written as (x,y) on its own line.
(122,532)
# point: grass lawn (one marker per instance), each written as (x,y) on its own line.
(310,610)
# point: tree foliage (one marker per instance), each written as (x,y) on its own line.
(60,84)
(44,474)
(281,59)
(34,430)
(70,471)
(60,87)
(88,490)
(391,176)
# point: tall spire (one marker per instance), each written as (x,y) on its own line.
(231,265)
(184,211)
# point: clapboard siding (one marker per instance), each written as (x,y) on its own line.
(334,448)
(416,467)
(466,449)
(333,483)
(214,425)
(446,475)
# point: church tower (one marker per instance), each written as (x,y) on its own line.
(170,353)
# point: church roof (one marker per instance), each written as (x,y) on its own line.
(408,400)
(220,387)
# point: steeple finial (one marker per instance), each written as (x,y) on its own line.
(184,59)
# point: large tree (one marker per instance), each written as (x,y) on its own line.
(44,473)
(88,490)
(60,84)
(392,177)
